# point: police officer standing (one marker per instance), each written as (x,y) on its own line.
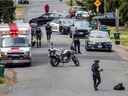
(38,36)
(60,27)
(33,34)
(96,74)
(48,32)
(76,42)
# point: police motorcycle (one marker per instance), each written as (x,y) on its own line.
(58,56)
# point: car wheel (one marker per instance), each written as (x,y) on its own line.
(88,49)
(29,64)
(110,49)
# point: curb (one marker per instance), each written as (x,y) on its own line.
(123,47)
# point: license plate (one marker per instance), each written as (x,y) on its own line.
(99,46)
(14,55)
(81,33)
(15,61)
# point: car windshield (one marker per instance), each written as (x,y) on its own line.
(81,24)
(99,35)
(67,22)
(15,42)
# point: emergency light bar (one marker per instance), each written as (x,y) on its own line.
(14,29)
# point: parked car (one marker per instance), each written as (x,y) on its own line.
(108,19)
(82,14)
(65,23)
(41,20)
(83,28)
(23,1)
(98,40)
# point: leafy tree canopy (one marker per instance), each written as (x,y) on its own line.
(110,5)
(7,11)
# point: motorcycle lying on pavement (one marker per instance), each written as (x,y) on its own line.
(58,56)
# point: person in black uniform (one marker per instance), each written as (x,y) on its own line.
(76,41)
(96,74)
(48,32)
(77,45)
(60,27)
(33,34)
(38,36)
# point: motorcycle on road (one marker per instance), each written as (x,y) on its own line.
(58,56)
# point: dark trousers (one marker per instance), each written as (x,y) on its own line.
(77,45)
(96,81)
(48,36)
(61,29)
(33,40)
(38,38)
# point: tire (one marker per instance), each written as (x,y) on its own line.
(75,61)
(54,62)
(29,64)
(87,49)
(110,49)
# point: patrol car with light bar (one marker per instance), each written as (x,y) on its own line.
(15,41)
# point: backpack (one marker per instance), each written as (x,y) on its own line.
(119,87)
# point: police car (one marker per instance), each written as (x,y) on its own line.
(15,40)
(98,40)
(65,23)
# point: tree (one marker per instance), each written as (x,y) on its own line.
(109,6)
(122,5)
(7,11)
(124,11)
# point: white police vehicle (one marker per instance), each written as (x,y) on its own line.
(65,23)
(98,40)
(15,41)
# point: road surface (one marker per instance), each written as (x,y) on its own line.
(44,80)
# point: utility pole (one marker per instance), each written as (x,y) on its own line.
(97,3)
(105,9)
(117,33)
(117,19)
(71,3)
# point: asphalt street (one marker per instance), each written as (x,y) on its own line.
(41,79)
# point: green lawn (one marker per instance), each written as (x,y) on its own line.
(123,36)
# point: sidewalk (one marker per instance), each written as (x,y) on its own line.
(122,51)
(3,94)
(21,11)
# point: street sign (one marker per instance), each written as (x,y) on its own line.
(97,3)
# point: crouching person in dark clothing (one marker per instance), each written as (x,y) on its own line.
(96,74)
